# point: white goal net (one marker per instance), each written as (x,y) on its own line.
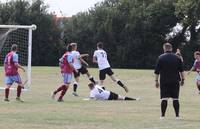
(22,36)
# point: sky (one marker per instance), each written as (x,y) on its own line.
(68,7)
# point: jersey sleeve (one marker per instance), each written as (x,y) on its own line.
(15,58)
(70,58)
(92,95)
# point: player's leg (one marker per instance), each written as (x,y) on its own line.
(198,85)
(164,103)
(164,95)
(67,81)
(76,84)
(60,88)
(111,74)
(175,97)
(8,82)
(102,77)
(18,80)
(176,106)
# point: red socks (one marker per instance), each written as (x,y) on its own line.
(7,93)
(63,92)
(19,90)
(59,89)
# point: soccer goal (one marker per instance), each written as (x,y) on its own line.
(22,36)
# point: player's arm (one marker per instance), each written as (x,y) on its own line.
(83,61)
(19,66)
(192,69)
(157,72)
(95,59)
(84,55)
(15,59)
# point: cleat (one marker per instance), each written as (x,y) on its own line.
(126,89)
(19,100)
(53,96)
(75,94)
(162,118)
(60,100)
(6,99)
(138,99)
(178,118)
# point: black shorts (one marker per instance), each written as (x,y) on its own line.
(113,96)
(102,73)
(170,90)
(82,70)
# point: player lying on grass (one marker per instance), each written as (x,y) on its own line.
(196,66)
(11,66)
(100,57)
(98,93)
(78,61)
(66,66)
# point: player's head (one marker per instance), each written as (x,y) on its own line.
(74,46)
(91,85)
(167,47)
(69,48)
(99,45)
(197,55)
(14,47)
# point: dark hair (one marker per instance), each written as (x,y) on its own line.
(167,46)
(69,48)
(14,47)
(100,45)
(91,85)
(196,53)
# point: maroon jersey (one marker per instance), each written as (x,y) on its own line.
(65,61)
(10,64)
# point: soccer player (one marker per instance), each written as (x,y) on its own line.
(66,66)
(170,67)
(100,57)
(196,66)
(78,61)
(98,93)
(11,66)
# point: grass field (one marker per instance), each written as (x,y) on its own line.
(39,111)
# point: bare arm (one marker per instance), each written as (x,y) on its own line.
(95,60)
(182,78)
(157,85)
(19,66)
(84,55)
(83,61)
(193,68)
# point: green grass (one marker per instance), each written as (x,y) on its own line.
(39,111)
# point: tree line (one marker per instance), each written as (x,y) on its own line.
(133,31)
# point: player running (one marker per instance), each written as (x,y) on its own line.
(196,66)
(11,66)
(98,93)
(66,66)
(100,57)
(78,61)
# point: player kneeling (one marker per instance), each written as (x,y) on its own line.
(98,93)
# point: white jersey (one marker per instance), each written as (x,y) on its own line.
(98,93)
(102,60)
(76,56)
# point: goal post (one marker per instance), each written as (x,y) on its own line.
(22,36)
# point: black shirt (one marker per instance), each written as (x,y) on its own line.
(169,67)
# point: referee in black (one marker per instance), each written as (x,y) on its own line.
(170,68)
